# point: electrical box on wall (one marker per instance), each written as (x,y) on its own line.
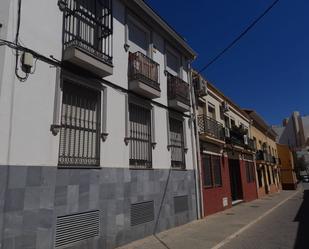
(27,62)
(225,201)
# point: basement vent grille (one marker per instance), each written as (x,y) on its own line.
(181,204)
(74,228)
(142,213)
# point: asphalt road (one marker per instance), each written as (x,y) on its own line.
(287,227)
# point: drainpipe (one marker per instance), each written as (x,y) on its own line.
(196,154)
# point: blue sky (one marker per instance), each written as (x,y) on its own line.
(268,70)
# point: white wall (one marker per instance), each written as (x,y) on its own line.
(26,109)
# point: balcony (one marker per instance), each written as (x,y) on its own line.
(261,155)
(265,156)
(274,160)
(178,93)
(236,136)
(210,127)
(144,75)
(87,38)
(250,145)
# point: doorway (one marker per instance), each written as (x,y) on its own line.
(235,180)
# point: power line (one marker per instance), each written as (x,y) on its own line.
(239,37)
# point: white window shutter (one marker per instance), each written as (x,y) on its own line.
(153,128)
(104,132)
(55,127)
(127,123)
(185,135)
(168,129)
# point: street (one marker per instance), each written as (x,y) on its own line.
(285,228)
(277,221)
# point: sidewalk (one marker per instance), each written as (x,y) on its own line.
(213,230)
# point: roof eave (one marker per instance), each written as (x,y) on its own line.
(190,53)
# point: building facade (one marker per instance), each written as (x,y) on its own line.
(267,163)
(287,170)
(294,132)
(226,147)
(97,147)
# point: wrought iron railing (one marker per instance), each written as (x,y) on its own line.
(140,137)
(80,127)
(236,137)
(211,127)
(145,69)
(251,144)
(265,156)
(178,89)
(177,144)
(88,25)
(274,160)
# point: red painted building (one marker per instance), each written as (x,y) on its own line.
(227,153)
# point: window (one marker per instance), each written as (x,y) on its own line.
(173,63)
(250,172)
(138,36)
(80,126)
(207,170)
(89,26)
(227,121)
(211,111)
(140,136)
(177,143)
(254,143)
(212,171)
(233,123)
(216,164)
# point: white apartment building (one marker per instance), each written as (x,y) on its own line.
(97,147)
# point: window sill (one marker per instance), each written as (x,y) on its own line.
(140,168)
(178,169)
(80,167)
(212,187)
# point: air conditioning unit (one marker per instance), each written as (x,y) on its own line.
(246,140)
(227,132)
(225,107)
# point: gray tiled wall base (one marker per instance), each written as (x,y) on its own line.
(36,196)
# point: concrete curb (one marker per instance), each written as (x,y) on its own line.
(229,238)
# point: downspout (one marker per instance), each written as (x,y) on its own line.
(196,155)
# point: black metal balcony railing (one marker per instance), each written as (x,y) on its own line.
(260,155)
(236,137)
(251,144)
(265,156)
(178,89)
(88,25)
(144,69)
(211,127)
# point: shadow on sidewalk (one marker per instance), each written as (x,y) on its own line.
(302,217)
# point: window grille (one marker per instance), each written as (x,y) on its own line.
(140,136)
(212,171)
(177,143)
(207,170)
(80,126)
(216,164)
(250,172)
(88,25)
